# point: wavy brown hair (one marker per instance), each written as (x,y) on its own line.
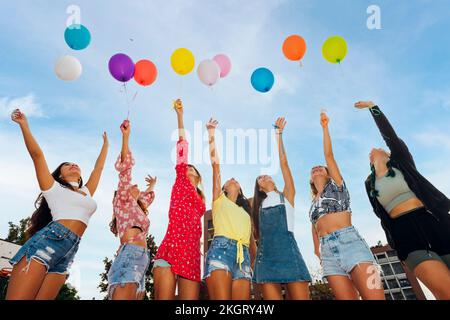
(313,187)
(199,191)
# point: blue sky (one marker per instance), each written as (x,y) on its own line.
(404,67)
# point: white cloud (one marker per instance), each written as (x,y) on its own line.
(434,139)
(26,103)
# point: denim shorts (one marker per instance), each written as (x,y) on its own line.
(222,255)
(161,263)
(129,266)
(417,257)
(54,246)
(343,250)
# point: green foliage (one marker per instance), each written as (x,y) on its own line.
(320,291)
(16,233)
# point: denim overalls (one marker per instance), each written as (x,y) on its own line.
(278,259)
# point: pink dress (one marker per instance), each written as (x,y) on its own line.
(181,244)
(126,209)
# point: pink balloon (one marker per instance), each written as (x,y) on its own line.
(209,72)
(224,63)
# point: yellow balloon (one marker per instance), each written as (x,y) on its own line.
(183,61)
(334,49)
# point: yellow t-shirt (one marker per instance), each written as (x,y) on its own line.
(233,222)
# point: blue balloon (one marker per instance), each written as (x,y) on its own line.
(77,37)
(262,79)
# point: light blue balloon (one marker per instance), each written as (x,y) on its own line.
(262,80)
(77,37)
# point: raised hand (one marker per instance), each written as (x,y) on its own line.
(280,124)
(151,182)
(364,104)
(125,128)
(324,120)
(178,106)
(212,124)
(105,139)
(18,117)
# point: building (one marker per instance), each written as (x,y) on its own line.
(399,283)
(7,251)
(208,231)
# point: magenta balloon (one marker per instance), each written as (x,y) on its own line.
(121,67)
(224,63)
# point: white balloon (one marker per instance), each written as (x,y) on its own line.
(68,68)
(209,72)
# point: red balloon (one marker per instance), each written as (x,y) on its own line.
(145,72)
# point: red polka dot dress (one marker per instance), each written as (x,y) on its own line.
(181,244)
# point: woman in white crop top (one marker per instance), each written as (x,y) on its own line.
(347,262)
(62,214)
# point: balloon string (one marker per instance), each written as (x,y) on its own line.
(126,99)
(180,88)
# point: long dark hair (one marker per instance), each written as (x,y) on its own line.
(258,198)
(241,201)
(391,173)
(199,191)
(42,215)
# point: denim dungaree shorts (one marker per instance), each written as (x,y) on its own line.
(278,259)
(54,246)
(129,266)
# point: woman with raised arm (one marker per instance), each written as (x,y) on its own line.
(178,259)
(347,262)
(126,278)
(228,271)
(278,259)
(63,210)
(413,213)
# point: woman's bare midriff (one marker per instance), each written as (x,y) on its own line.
(130,233)
(75,226)
(405,207)
(333,222)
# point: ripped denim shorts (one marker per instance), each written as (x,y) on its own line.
(222,255)
(54,246)
(129,266)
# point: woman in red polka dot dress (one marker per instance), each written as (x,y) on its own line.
(178,259)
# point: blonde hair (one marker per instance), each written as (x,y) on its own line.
(313,187)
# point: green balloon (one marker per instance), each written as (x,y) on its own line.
(334,49)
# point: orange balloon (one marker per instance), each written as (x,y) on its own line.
(145,72)
(294,47)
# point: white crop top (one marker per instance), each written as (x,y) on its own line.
(273,200)
(66,204)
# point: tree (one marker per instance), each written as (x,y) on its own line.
(149,288)
(320,290)
(17,235)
